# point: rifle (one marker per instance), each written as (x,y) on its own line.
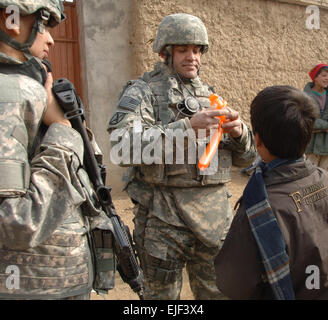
(128,267)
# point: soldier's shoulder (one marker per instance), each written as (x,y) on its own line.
(201,83)
(153,75)
(31,89)
(136,88)
(20,88)
(145,81)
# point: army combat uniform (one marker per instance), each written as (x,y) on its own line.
(181,215)
(44,197)
(48,212)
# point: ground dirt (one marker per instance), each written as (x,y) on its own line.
(124,207)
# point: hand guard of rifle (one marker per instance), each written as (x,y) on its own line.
(128,266)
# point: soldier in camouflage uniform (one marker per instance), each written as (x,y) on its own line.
(181,215)
(45,195)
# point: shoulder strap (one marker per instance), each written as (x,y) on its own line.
(31,68)
(161,109)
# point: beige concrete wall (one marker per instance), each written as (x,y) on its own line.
(106,66)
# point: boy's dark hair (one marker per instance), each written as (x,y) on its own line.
(283,117)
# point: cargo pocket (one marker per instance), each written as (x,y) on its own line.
(105,260)
(222,170)
(104,254)
(139,220)
(153,174)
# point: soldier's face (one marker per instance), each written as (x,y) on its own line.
(186,60)
(42,44)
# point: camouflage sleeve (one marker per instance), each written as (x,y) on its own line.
(243,149)
(38,188)
(36,193)
(134,130)
(27,220)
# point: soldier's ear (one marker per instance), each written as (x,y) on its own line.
(163,54)
(9,25)
(166,54)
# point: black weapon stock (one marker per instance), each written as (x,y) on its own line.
(128,266)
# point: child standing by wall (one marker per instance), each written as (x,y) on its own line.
(317,151)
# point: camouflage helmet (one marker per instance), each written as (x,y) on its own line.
(27,7)
(180,28)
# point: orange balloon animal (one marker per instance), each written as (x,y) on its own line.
(218,103)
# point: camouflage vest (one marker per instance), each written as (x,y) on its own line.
(166,96)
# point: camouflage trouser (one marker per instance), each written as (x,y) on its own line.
(164,250)
(85,296)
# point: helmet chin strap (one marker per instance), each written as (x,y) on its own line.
(168,56)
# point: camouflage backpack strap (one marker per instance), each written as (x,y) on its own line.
(158,86)
(163,114)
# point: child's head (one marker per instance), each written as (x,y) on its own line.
(317,70)
(283,117)
(321,80)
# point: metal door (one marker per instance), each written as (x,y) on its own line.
(65,55)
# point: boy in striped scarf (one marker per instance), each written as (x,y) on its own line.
(277,245)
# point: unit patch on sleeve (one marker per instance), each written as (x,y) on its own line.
(117,118)
(128,103)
